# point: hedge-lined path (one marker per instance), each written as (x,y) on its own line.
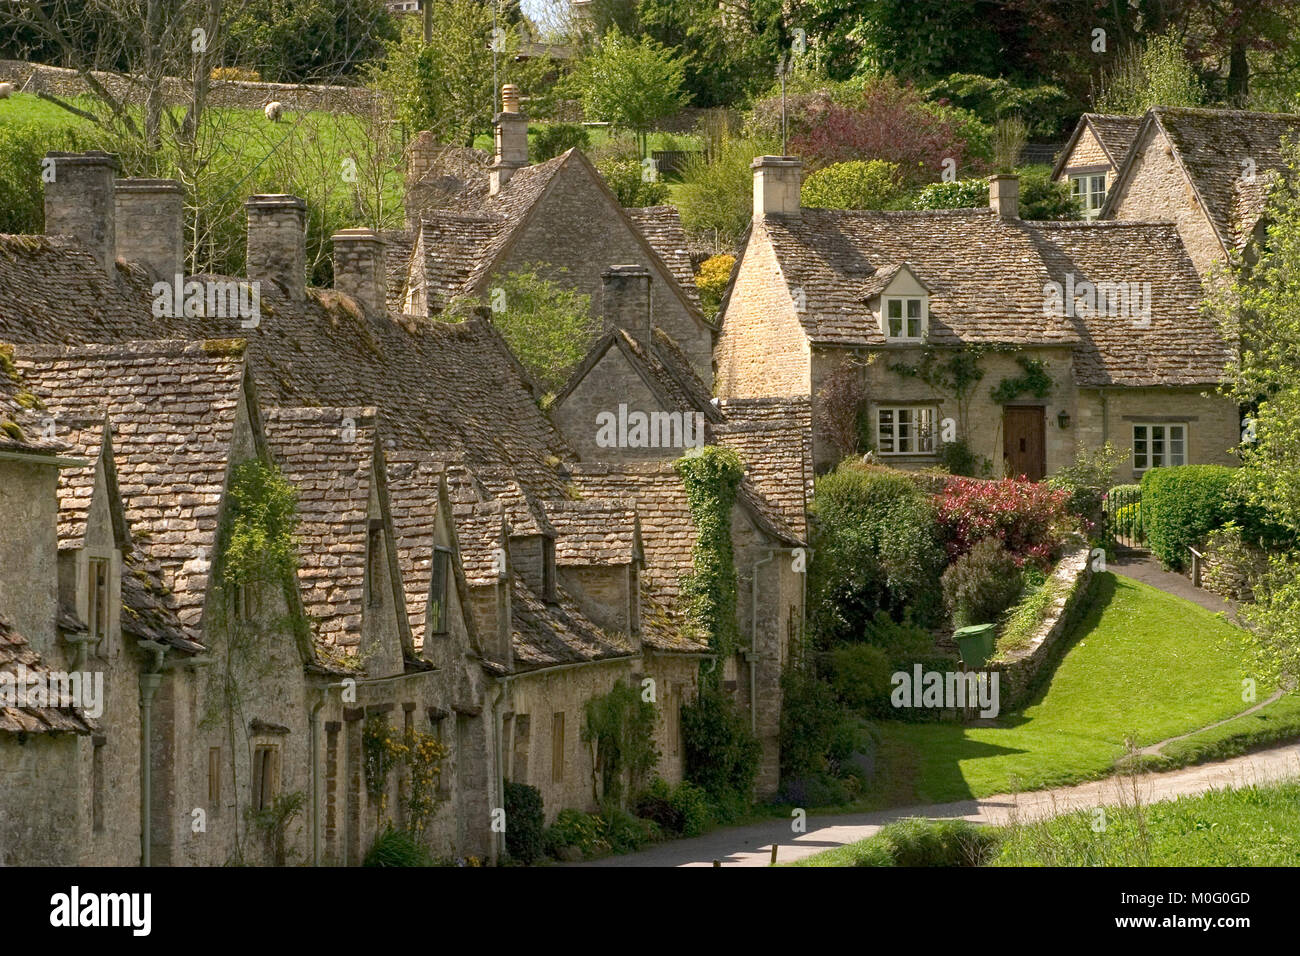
(1143,566)
(752,845)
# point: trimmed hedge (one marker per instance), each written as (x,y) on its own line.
(1181,505)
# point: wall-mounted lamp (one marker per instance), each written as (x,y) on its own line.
(1063,418)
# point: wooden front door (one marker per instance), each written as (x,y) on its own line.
(1024,443)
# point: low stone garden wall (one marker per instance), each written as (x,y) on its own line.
(1020,671)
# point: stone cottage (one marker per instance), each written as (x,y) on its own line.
(1092,157)
(1079,333)
(1206,170)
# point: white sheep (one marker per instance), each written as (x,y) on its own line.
(6,90)
(273,111)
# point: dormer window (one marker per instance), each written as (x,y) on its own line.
(905,318)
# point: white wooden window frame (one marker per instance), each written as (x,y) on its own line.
(1091,196)
(1145,455)
(919,425)
(922,319)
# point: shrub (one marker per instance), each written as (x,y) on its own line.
(1028,518)
(809,713)
(919,842)
(719,752)
(1086,481)
(586,832)
(876,547)
(873,184)
(1025,615)
(961,194)
(396,847)
(22,149)
(958,458)
(711,281)
(682,810)
(1128,520)
(625,178)
(861,676)
(1181,506)
(555,138)
(716,195)
(981,584)
(627,833)
(901,641)
(525,822)
(1042,198)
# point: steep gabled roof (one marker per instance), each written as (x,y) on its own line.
(15,652)
(773,438)
(656,492)
(663,367)
(1114,132)
(463,244)
(327,455)
(546,634)
(173,408)
(1216,149)
(989,279)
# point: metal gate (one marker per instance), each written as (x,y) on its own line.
(1124,516)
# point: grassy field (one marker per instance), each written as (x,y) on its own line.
(1252,826)
(1143,665)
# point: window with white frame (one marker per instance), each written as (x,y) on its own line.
(1089,191)
(907,430)
(905,317)
(1155,446)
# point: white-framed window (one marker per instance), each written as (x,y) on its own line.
(905,317)
(1155,446)
(1089,190)
(906,430)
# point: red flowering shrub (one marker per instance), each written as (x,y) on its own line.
(1029,519)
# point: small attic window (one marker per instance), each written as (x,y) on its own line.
(437,623)
(905,317)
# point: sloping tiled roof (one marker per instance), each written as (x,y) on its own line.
(149,608)
(413,480)
(326,454)
(984,274)
(453,388)
(1179,346)
(548,634)
(20,429)
(172,405)
(662,228)
(594,532)
(773,438)
(28,719)
(988,278)
(1116,133)
(1213,146)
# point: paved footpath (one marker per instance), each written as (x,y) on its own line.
(752,845)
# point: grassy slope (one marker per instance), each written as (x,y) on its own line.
(1143,664)
(1252,826)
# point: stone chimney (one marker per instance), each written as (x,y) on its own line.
(277,242)
(359,268)
(151,225)
(511,139)
(79,202)
(777,180)
(625,300)
(1004,195)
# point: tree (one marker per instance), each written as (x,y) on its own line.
(724,57)
(1259,305)
(1157,74)
(1040,197)
(874,184)
(716,196)
(548,326)
(631,84)
(308,41)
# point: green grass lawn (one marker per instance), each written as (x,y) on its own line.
(1252,826)
(1143,664)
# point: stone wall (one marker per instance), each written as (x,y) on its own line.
(1022,669)
(762,350)
(1158,190)
(57,81)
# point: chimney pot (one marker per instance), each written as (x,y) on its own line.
(1004,195)
(359,268)
(79,202)
(511,127)
(777,180)
(277,242)
(150,225)
(625,300)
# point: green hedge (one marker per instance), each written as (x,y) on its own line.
(1181,506)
